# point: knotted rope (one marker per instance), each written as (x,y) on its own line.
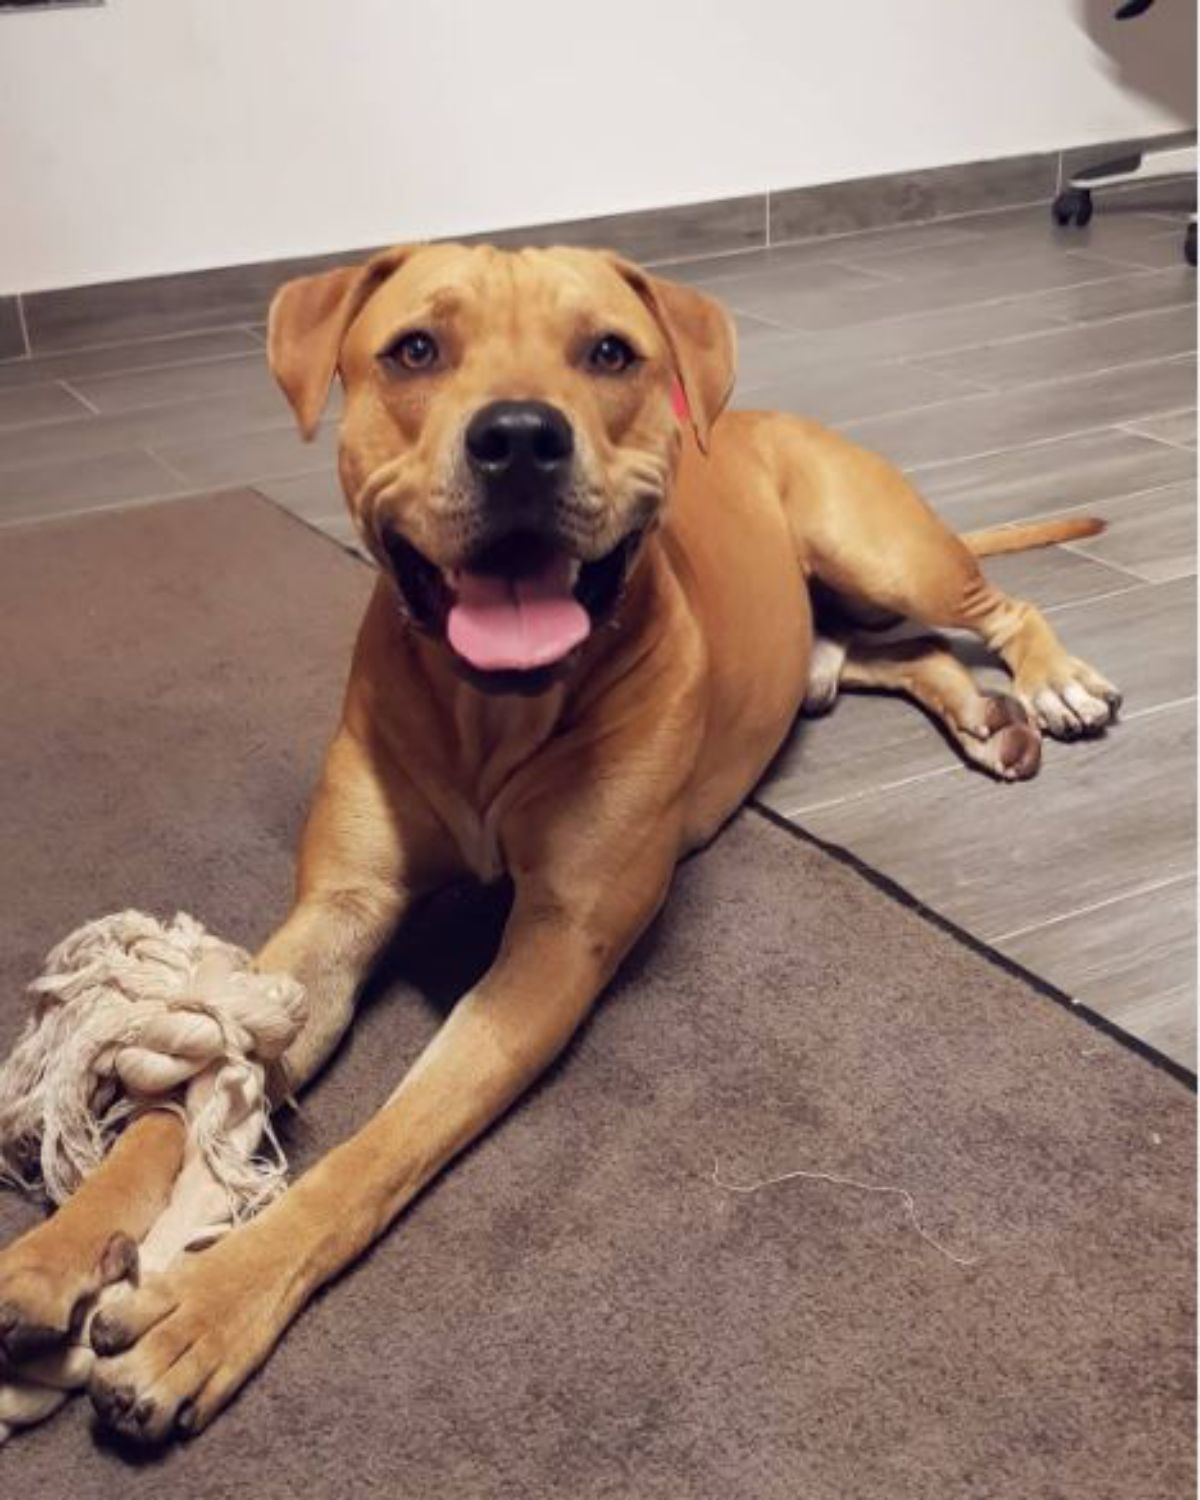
(133,1013)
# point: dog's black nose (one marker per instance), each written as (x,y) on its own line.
(523,444)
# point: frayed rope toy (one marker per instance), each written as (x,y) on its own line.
(132,1013)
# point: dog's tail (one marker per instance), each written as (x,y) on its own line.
(998,539)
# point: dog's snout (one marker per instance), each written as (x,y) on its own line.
(519,442)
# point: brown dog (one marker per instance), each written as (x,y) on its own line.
(591,631)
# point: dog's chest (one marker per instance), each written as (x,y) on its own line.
(497,739)
(479,843)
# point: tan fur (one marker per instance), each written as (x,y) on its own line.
(587,794)
(1021,538)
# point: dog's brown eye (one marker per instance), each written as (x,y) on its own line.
(611,354)
(415,351)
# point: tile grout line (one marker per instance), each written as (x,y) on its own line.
(968,236)
(927,363)
(276,424)
(1182,411)
(146,342)
(871,791)
(885,277)
(1116,259)
(982,452)
(868,266)
(21,319)
(910,411)
(80,397)
(1082,911)
(1067,320)
(1158,708)
(166,497)
(1078,551)
(1007,341)
(1084,251)
(1041,384)
(911,363)
(1153,437)
(877,231)
(1059,437)
(858,366)
(1114,273)
(164,463)
(252,353)
(945,509)
(1130,586)
(1060,324)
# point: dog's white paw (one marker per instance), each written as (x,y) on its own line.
(1073,703)
(824,675)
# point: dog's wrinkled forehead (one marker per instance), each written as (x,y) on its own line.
(516,300)
(523,315)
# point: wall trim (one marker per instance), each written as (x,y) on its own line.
(34,323)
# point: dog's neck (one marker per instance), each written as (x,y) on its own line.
(472,739)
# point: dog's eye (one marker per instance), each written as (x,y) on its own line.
(611,354)
(414,351)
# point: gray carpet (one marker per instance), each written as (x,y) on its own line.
(578,1309)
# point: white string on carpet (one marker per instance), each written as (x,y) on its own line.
(910,1206)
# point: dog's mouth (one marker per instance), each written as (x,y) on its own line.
(516,615)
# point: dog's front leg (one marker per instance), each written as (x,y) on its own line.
(49,1276)
(184,1342)
(52,1273)
(364,852)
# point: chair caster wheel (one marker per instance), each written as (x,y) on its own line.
(1189,245)
(1072,206)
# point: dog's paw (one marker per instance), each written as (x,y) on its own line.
(1013,747)
(824,676)
(173,1351)
(40,1386)
(48,1280)
(1073,702)
(999,737)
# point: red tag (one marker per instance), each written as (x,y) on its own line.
(679,402)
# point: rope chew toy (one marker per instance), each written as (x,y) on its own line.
(132,1013)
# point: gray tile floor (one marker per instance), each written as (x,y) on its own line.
(1015,371)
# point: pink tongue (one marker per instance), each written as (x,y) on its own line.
(514,624)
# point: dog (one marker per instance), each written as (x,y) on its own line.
(592,628)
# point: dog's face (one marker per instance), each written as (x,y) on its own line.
(510,431)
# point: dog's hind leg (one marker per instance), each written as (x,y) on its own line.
(864,532)
(991,730)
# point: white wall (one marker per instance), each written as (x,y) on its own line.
(167,135)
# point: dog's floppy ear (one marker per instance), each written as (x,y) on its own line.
(307,323)
(700,335)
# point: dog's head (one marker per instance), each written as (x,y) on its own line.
(510,431)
